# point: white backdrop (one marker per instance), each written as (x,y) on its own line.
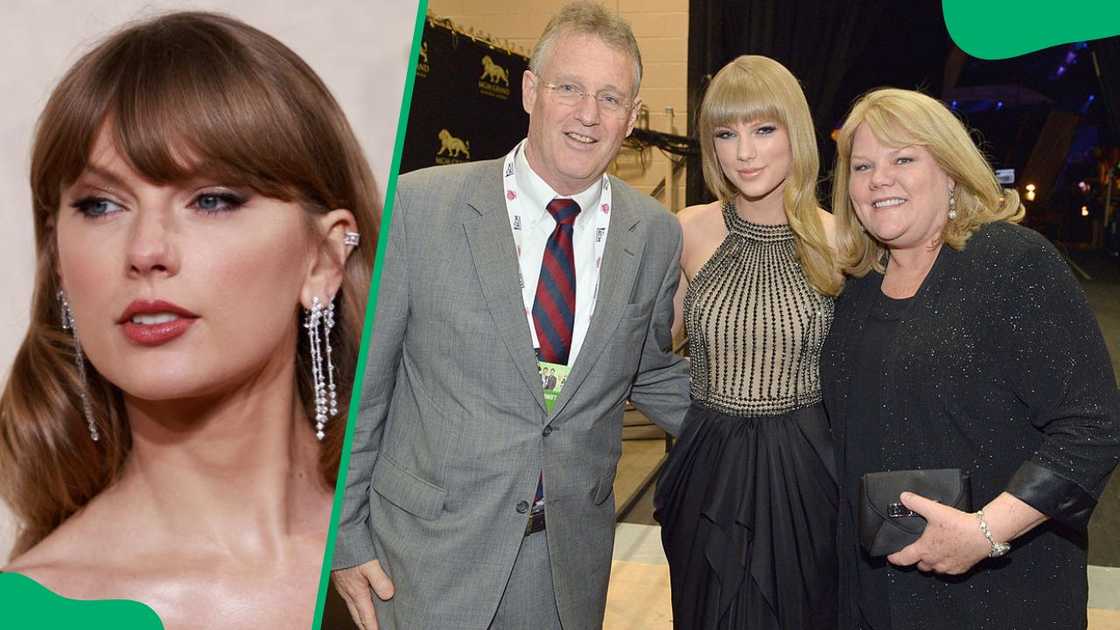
(359,47)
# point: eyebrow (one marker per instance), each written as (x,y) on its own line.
(567,78)
(101,172)
(856,156)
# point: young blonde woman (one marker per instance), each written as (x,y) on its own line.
(203,215)
(747,501)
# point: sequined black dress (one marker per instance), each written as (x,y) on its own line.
(996,366)
(747,500)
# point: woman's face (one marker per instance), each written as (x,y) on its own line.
(900,194)
(181,290)
(755,156)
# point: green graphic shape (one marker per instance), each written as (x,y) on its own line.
(24,603)
(998,29)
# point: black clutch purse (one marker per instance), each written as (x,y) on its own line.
(885,524)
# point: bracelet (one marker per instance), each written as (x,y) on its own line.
(998,548)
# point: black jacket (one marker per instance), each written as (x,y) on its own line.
(998,368)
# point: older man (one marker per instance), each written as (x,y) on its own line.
(475,499)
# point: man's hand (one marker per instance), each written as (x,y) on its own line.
(354,585)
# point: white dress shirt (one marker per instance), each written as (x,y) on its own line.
(532,225)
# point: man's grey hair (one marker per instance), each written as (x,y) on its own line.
(588,18)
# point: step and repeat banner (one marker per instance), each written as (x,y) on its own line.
(466,102)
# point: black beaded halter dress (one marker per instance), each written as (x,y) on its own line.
(747,498)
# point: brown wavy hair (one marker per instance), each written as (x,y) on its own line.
(249,112)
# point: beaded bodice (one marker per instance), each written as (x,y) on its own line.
(755,325)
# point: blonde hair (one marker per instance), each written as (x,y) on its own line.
(902,118)
(250,112)
(758,88)
(588,18)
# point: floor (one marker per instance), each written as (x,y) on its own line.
(638,598)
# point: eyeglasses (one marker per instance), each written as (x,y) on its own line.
(571,94)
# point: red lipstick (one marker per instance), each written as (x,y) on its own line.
(154,322)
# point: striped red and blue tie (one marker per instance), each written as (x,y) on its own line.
(554,306)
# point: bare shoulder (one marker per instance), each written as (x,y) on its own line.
(68,561)
(704,230)
(694,216)
(702,223)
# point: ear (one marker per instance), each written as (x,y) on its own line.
(529,93)
(328,256)
(634,110)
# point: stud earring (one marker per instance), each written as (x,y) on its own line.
(80,361)
(952,204)
(322,372)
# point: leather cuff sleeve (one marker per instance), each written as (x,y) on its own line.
(1055,496)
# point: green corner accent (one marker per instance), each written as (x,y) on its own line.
(998,29)
(371,309)
(24,603)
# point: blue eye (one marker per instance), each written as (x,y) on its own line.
(724,134)
(95,207)
(611,99)
(214,202)
(766,130)
(904,160)
(859,167)
(567,89)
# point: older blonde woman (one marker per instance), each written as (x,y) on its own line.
(961,341)
(747,499)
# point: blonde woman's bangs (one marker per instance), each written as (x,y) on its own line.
(741,98)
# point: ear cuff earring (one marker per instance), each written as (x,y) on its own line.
(351,238)
(322,372)
(80,360)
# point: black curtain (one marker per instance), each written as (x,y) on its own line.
(466,101)
(1106,55)
(837,50)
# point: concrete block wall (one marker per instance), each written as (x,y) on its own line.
(661,27)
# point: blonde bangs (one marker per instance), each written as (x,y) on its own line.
(753,88)
(732,103)
(736,94)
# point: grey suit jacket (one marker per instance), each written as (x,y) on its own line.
(452,428)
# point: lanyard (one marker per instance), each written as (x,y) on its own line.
(514,206)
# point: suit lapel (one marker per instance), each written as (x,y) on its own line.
(623,253)
(491,244)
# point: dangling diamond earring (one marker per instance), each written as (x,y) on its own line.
(328,325)
(952,204)
(80,360)
(322,375)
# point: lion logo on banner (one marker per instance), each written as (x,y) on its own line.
(451,146)
(493,72)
